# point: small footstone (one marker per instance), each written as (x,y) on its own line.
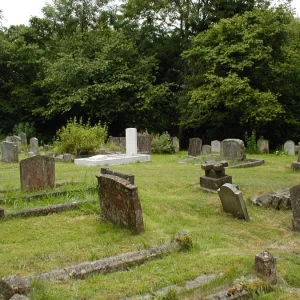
(265,265)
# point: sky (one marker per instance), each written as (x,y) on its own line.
(19,11)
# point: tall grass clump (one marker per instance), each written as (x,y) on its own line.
(162,144)
(80,138)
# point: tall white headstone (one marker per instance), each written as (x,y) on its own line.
(131,141)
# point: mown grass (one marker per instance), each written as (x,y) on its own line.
(171,202)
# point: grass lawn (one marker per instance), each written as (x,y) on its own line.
(171,203)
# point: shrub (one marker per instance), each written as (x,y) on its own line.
(162,144)
(27,127)
(251,143)
(79,138)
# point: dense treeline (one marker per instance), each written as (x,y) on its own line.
(211,69)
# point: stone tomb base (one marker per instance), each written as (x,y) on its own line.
(296,166)
(109,160)
(213,184)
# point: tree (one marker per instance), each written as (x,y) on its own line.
(238,72)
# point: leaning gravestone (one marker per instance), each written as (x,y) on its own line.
(295,202)
(119,202)
(34,145)
(37,172)
(9,151)
(206,150)
(195,145)
(289,147)
(233,148)
(263,146)
(175,142)
(215,146)
(16,140)
(296,164)
(232,201)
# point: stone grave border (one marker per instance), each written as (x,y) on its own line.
(102,266)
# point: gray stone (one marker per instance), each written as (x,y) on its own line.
(19,297)
(233,148)
(16,140)
(215,175)
(31,154)
(12,285)
(265,266)
(127,177)
(215,146)
(23,138)
(9,152)
(34,145)
(68,157)
(263,146)
(37,172)
(195,145)
(232,201)
(206,150)
(175,142)
(144,143)
(289,147)
(295,203)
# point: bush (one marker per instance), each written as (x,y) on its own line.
(79,138)
(27,127)
(251,145)
(162,144)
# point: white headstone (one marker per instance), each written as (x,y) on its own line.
(131,141)
(215,146)
(34,145)
(289,147)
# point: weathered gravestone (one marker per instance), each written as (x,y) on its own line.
(175,142)
(34,145)
(16,140)
(232,201)
(131,141)
(144,143)
(215,146)
(206,150)
(233,148)
(215,176)
(119,202)
(296,164)
(15,284)
(9,151)
(37,172)
(295,203)
(265,266)
(195,145)
(127,177)
(289,147)
(263,146)
(23,138)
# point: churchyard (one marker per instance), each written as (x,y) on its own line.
(224,247)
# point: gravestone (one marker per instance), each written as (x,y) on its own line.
(119,202)
(127,177)
(37,172)
(195,145)
(232,201)
(289,147)
(144,143)
(233,148)
(215,146)
(175,142)
(295,203)
(14,284)
(119,141)
(296,164)
(9,152)
(34,145)
(131,141)
(215,176)
(16,140)
(23,138)
(206,150)
(263,146)
(265,266)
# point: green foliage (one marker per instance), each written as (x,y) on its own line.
(251,144)
(162,144)
(79,138)
(170,295)
(26,127)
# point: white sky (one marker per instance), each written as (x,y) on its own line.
(19,11)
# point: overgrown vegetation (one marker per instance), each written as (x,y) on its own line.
(162,144)
(78,137)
